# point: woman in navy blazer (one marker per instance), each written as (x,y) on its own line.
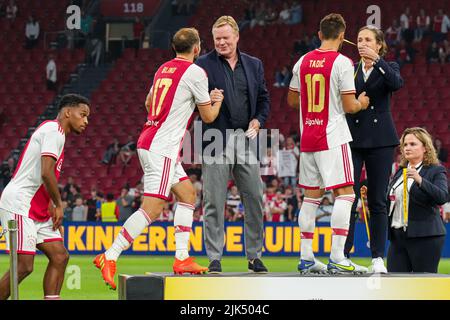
(417,237)
(374,137)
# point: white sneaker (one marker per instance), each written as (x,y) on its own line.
(377,266)
(345,266)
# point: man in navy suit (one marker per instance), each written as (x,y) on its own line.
(245,109)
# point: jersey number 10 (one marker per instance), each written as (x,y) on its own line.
(311,83)
(165,84)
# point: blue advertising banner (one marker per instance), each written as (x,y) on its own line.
(281,239)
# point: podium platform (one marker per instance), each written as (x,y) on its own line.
(284,286)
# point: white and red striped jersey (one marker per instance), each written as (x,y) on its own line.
(321,76)
(178,86)
(26,194)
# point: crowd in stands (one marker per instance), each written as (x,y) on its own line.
(282,197)
(261,13)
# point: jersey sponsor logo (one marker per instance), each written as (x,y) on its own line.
(59,165)
(314,122)
(152,123)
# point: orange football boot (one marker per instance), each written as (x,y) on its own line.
(188,266)
(108,269)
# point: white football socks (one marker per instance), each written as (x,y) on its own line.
(340,222)
(183,222)
(131,229)
(307,224)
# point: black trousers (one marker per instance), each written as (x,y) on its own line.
(378,163)
(414,254)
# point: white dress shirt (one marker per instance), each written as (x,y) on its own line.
(396,192)
(367,73)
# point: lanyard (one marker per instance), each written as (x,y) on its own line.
(357,69)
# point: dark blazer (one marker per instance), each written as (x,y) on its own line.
(257,91)
(424,219)
(374,127)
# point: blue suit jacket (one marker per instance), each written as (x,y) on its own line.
(374,127)
(257,91)
(424,219)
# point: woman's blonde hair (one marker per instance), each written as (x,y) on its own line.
(430,156)
(226,20)
(379,38)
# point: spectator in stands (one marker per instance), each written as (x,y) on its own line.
(269,165)
(283,77)
(195,169)
(444,52)
(323,213)
(124,203)
(7,171)
(138,34)
(51,73)
(422,26)
(166,213)
(271,16)
(198,186)
(70,183)
(277,208)
(296,13)
(249,15)
(95,41)
(441,152)
(374,137)
(285,14)
(393,34)
(290,175)
(233,201)
(315,42)
(441,25)
(198,216)
(91,205)
(433,53)
(260,15)
(302,46)
(79,211)
(417,236)
(11,11)
(405,53)
(396,164)
(111,152)
(2,8)
(100,200)
(109,211)
(446,212)
(183,7)
(73,193)
(268,197)
(127,150)
(294,205)
(31,33)
(406,25)
(86,23)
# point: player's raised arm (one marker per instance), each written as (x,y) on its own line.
(210,111)
(51,184)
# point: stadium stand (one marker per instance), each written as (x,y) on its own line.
(117,104)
